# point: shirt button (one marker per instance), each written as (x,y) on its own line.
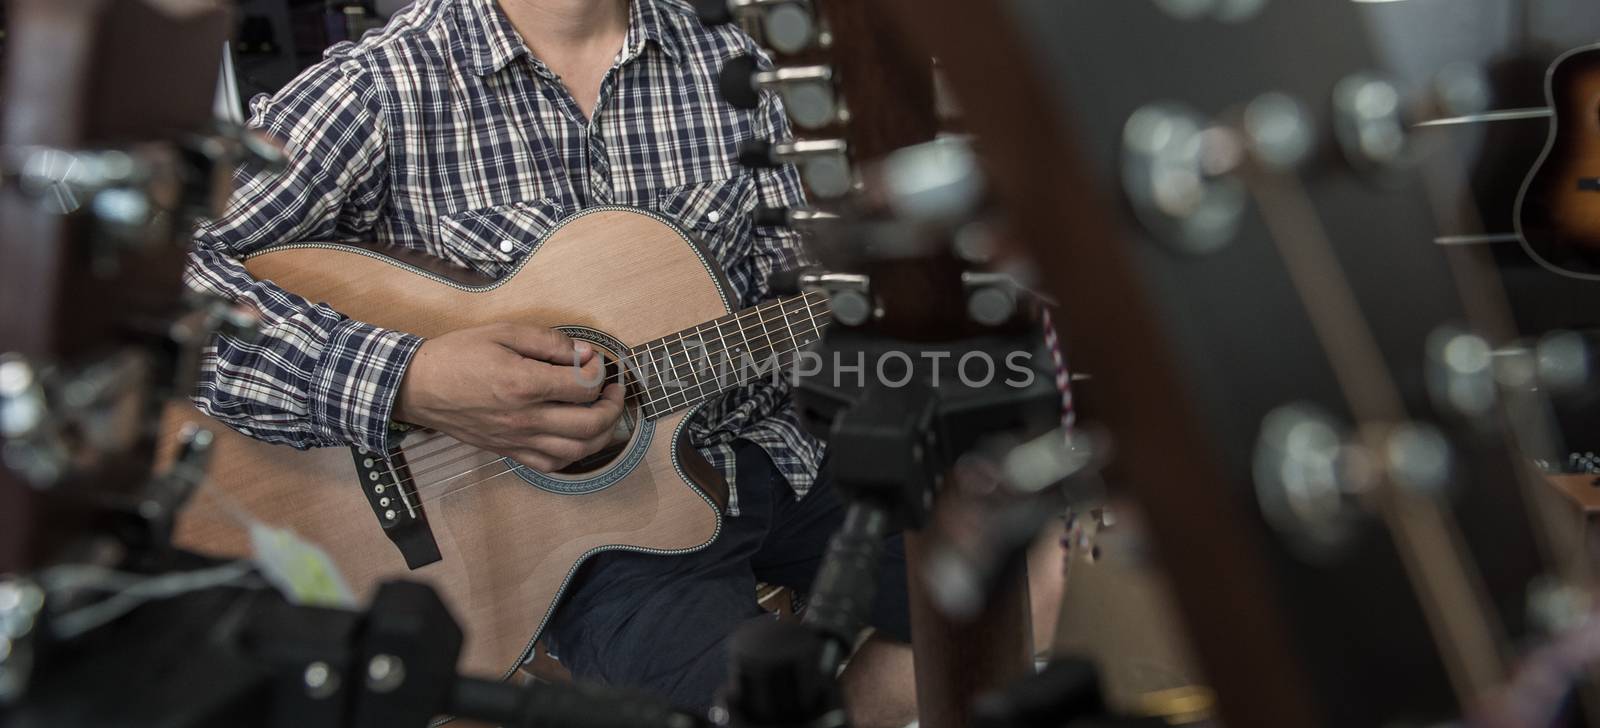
(507,246)
(713,216)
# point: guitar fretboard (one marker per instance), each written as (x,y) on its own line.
(689,367)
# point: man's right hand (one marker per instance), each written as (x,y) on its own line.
(514,390)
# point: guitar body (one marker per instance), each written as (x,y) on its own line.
(1558,209)
(507,548)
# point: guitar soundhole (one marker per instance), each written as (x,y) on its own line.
(621,435)
(629,441)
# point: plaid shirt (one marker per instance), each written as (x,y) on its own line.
(442,133)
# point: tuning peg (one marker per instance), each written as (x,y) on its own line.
(788,26)
(991,297)
(807,91)
(823,164)
(799,218)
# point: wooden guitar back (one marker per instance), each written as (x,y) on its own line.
(1558,211)
(508,548)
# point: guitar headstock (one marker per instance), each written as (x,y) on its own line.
(108,154)
(852,95)
(1229,201)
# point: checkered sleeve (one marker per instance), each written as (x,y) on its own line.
(775,249)
(313,377)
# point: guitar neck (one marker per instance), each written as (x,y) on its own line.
(692,366)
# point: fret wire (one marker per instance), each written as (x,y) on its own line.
(648,409)
(757,312)
(795,350)
(640,392)
(814,329)
(693,368)
(792,345)
(650,346)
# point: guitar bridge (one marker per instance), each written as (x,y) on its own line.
(1589,184)
(383,481)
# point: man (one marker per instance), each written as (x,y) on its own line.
(466,129)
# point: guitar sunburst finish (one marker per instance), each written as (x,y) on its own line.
(508,548)
(1558,208)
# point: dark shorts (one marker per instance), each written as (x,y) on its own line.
(662,623)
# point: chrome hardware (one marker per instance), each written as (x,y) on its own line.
(22,405)
(1563,361)
(1488,117)
(807,91)
(991,297)
(788,26)
(937,182)
(850,307)
(20,603)
(321,680)
(823,163)
(1175,172)
(1417,459)
(1460,371)
(975,242)
(1278,130)
(142,195)
(172,487)
(849,294)
(39,407)
(1367,121)
(385,673)
(1461,89)
(1307,479)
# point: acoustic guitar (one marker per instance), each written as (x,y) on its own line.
(499,541)
(1558,207)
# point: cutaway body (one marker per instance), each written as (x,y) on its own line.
(507,546)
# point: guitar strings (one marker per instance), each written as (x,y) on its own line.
(794,355)
(740,318)
(688,400)
(418,491)
(811,318)
(418,488)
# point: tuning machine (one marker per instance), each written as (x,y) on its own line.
(1313,476)
(796,218)
(788,26)
(849,294)
(1374,117)
(1179,168)
(807,91)
(824,164)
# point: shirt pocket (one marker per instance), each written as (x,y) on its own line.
(492,238)
(720,215)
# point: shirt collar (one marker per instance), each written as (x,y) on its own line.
(646,22)
(492,42)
